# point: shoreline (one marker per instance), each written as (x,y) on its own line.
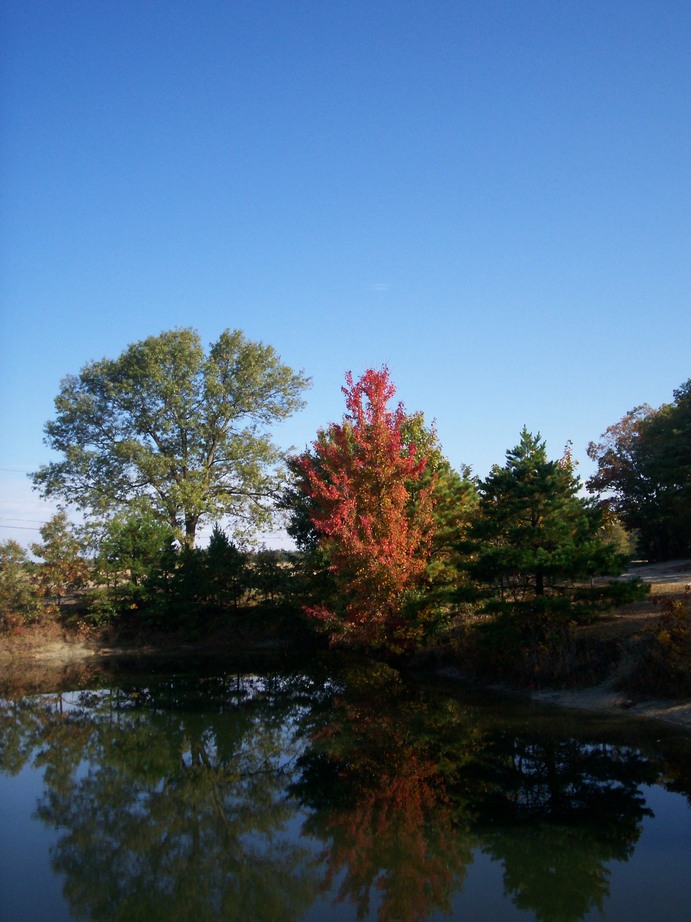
(28,659)
(604,699)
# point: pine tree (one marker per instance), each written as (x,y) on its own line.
(537,543)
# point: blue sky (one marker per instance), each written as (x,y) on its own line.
(493,198)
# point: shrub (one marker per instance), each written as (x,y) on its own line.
(664,664)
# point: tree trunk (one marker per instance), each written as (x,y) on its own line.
(190,530)
(539,582)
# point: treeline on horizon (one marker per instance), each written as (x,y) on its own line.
(394,547)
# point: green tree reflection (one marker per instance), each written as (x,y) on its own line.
(556,812)
(169,813)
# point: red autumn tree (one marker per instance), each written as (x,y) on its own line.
(375,528)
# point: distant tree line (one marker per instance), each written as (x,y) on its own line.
(134,575)
(394,546)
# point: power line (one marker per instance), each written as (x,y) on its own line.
(21,527)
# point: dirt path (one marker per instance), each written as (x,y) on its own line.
(668,579)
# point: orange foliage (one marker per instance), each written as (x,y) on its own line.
(378,539)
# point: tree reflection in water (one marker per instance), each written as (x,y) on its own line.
(374,779)
(404,787)
(555,812)
(172,812)
(252,797)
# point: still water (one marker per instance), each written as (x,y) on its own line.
(272,790)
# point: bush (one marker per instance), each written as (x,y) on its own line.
(664,664)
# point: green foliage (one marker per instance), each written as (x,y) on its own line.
(184,593)
(132,547)
(64,570)
(132,551)
(225,576)
(166,424)
(18,593)
(454,503)
(152,583)
(271,574)
(550,650)
(536,543)
(644,474)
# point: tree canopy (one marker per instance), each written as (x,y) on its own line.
(375,527)
(184,431)
(535,535)
(644,474)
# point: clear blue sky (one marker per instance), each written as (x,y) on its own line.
(493,198)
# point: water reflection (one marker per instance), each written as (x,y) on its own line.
(374,778)
(169,798)
(555,813)
(255,796)
(404,788)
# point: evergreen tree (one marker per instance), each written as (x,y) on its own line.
(537,543)
(225,572)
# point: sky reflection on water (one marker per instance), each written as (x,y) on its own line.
(341,791)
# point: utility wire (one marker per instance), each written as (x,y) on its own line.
(21,527)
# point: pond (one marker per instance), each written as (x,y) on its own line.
(278,790)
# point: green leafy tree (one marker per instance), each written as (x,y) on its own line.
(453,498)
(166,424)
(667,442)
(132,547)
(644,474)
(18,595)
(63,569)
(623,478)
